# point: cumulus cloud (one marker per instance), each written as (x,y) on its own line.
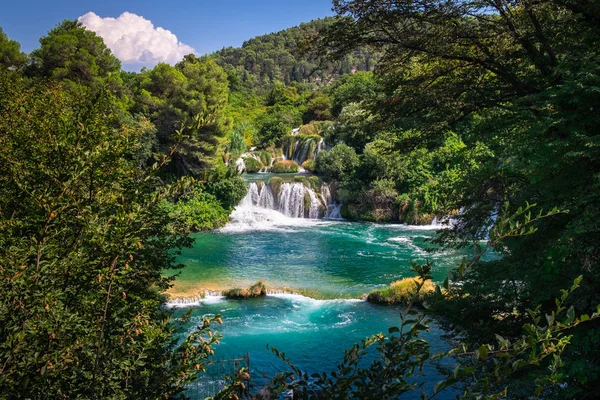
(135,41)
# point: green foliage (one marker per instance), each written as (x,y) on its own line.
(318,109)
(189,100)
(237,143)
(353,127)
(83,249)
(267,60)
(404,291)
(309,165)
(271,131)
(228,190)
(72,53)
(340,161)
(195,211)
(353,88)
(10,53)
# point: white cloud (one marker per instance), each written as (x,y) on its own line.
(135,41)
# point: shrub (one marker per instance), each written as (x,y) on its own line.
(195,212)
(265,158)
(337,163)
(229,191)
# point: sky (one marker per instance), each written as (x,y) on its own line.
(144,32)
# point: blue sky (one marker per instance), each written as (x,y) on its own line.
(204,25)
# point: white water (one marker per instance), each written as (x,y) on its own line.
(294,200)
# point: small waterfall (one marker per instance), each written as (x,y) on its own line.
(334,210)
(294,200)
(302,148)
(291,200)
(241,165)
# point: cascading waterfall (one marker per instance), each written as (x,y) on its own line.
(259,196)
(303,148)
(293,199)
(334,210)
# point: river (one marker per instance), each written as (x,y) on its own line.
(316,271)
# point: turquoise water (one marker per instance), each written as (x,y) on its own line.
(329,259)
(333,261)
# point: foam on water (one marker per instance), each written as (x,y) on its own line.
(196,301)
(246,218)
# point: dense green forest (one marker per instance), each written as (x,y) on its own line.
(480,113)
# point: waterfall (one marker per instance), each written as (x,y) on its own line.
(293,199)
(241,165)
(334,210)
(302,148)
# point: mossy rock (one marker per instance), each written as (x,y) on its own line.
(309,165)
(252,165)
(266,158)
(402,292)
(284,167)
(275,184)
(307,202)
(315,182)
(301,179)
(257,290)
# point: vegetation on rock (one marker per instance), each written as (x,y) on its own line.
(257,290)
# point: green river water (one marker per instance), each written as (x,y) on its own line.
(331,263)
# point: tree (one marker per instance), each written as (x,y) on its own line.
(83,250)
(73,53)
(337,163)
(10,52)
(353,89)
(195,90)
(517,82)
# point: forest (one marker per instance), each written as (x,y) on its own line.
(481,114)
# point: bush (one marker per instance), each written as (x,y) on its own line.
(271,132)
(266,158)
(252,165)
(237,144)
(195,212)
(229,191)
(337,163)
(283,167)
